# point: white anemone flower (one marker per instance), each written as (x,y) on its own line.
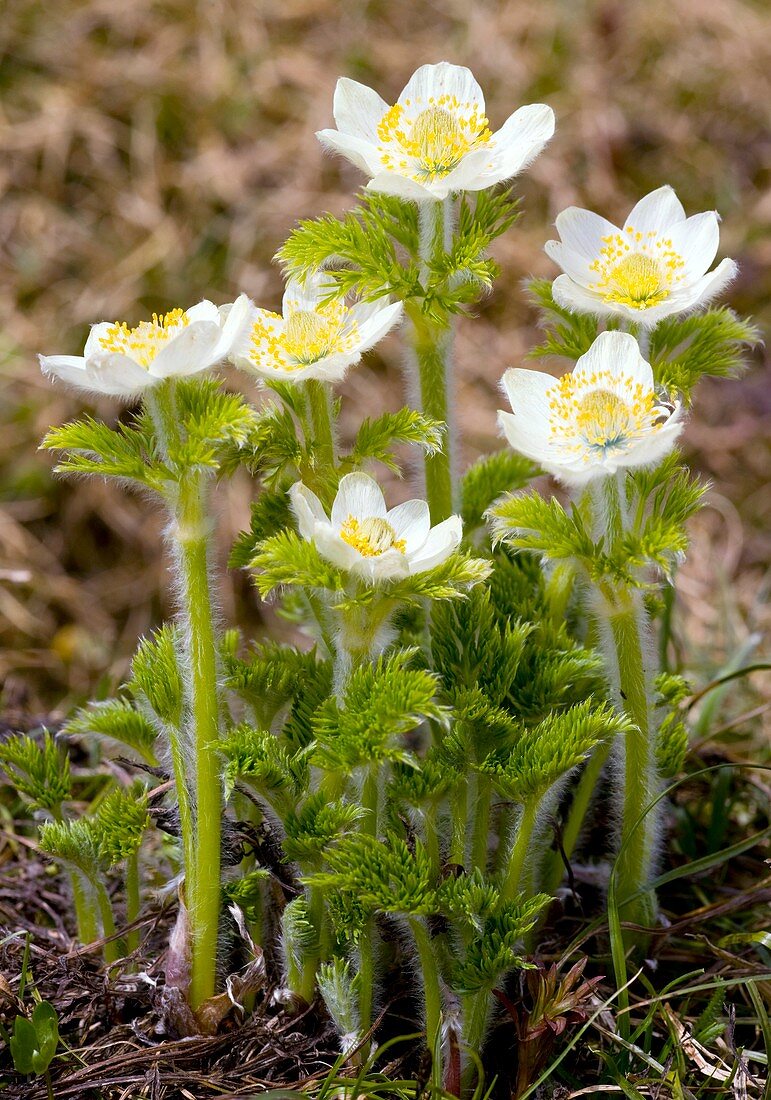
(602,416)
(655,265)
(435,140)
(363,537)
(122,361)
(312,338)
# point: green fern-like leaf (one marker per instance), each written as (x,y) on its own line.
(120,823)
(156,678)
(385,876)
(270,514)
(311,829)
(685,349)
(288,560)
(497,948)
(566,334)
(124,452)
(211,421)
(547,753)
(451,580)
(118,720)
(487,479)
(381,702)
(529,522)
(377,438)
(272,450)
(75,843)
(39,771)
(259,758)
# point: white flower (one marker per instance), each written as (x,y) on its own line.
(365,538)
(600,417)
(123,361)
(310,339)
(435,140)
(654,266)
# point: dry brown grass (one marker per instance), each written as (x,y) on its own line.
(156,152)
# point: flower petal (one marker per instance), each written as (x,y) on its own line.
(657,212)
(573,263)
(696,240)
(651,449)
(307,508)
(529,391)
(235,325)
(411,521)
(306,293)
(618,352)
(582,231)
(361,153)
(117,375)
(444,79)
(334,549)
(69,368)
(203,311)
(194,349)
(443,540)
(375,323)
(518,142)
(390,183)
(97,333)
(360,496)
(572,296)
(390,566)
(358,109)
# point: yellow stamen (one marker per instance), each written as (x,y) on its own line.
(144,342)
(308,335)
(429,144)
(637,271)
(587,415)
(371,537)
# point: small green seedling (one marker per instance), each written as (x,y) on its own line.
(34,1040)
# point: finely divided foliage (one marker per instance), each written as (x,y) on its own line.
(402,772)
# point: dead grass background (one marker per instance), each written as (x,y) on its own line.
(153,153)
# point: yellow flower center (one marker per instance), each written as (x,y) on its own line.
(306,336)
(588,418)
(429,144)
(637,269)
(144,342)
(371,537)
(604,419)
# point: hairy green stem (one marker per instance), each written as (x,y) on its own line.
(481,830)
(627,626)
(112,949)
(431,988)
(200,816)
(432,345)
(132,899)
(579,807)
(85,916)
(370,801)
(624,634)
(192,534)
(517,872)
(310,964)
(476,1014)
(321,420)
(459,812)
(431,834)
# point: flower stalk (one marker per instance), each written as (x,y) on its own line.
(201,809)
(431,342)
(624,637)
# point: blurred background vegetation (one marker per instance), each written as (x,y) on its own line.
(153,153)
